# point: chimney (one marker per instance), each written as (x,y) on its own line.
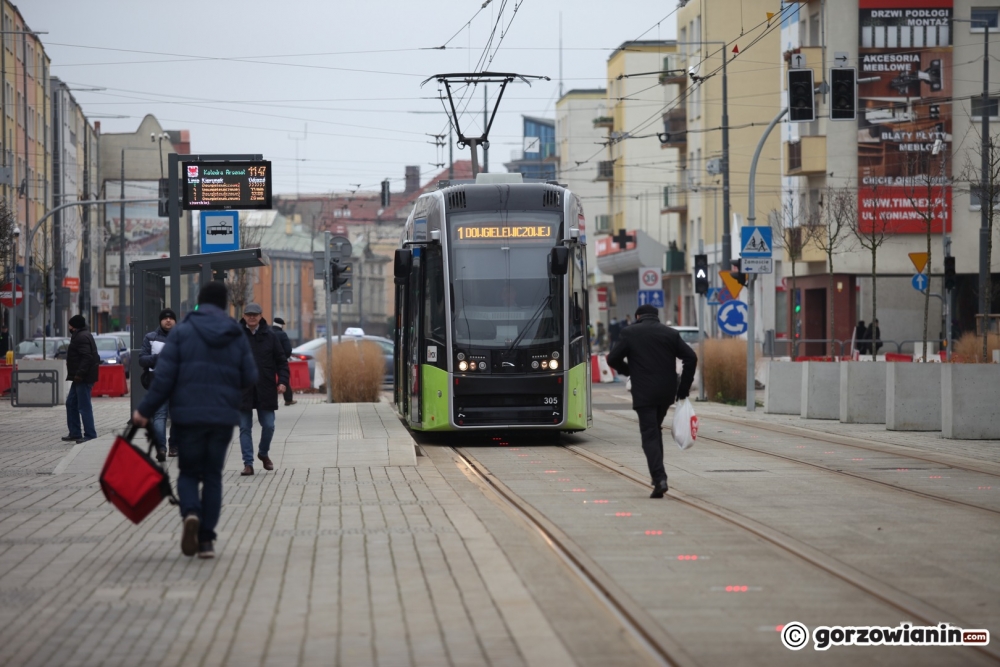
(412,179)
(97,127)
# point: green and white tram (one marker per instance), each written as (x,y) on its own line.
(491,309)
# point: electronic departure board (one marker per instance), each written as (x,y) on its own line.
(227,185)
(504,232)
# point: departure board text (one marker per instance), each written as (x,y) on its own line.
(227,185)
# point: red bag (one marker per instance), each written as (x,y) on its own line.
(132,481)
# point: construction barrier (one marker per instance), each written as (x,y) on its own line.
(5,378)
(298,373)
(895,356)
(110,381)
(599,369)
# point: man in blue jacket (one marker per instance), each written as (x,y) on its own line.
(202,370)
(152,344)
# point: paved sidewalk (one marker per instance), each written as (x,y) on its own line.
(353,551)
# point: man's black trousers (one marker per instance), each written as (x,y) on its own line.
(650,419)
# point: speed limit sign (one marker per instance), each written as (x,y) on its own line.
(649,278)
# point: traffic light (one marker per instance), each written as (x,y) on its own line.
(386,196)
(801,103)
(798,301)
(843,98)
(949,273)
(739,277)
(341,273)
(701,274)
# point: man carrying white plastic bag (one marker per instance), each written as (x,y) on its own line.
(685,425)
(647,352)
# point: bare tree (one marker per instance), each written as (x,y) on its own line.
(870,229)
(790,232)
(239,283)
(829,234)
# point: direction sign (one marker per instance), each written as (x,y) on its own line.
(5,296)
(732,318)
(919,260)
(731,284)
(920,282)
(757,265)
(651,297)
(649,278)
(756,242)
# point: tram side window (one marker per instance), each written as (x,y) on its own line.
(434,313)
(578,300)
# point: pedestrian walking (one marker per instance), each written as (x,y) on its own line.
(82,361)
(152,345)
(278,326)
(614,328)
(201,371)
(647,352)
(263,395)
(4,341)
(859,337)
(873,338)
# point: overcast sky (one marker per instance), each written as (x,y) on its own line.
(343,77)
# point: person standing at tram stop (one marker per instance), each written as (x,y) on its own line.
(152,345)
(262,396)
(647,352)
(278,325)
(202,371)
(82,361)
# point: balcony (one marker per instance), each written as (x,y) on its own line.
(806,156)
(673,260)
(604,121)
(605,170)
(674,129)
(673,70)
(674,200)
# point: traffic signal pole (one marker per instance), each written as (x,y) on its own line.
(329,323)
(701,330)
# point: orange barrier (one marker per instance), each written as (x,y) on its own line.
(895,356)
(110,381)
(298,372)
(6,372)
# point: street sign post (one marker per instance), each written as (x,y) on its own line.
(919,260)
(713,296)
(220,231)
(920,282)
(7,298)
(650,278)
(756,250)
(651,297)
(732,318)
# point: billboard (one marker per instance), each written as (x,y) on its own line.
(904,115)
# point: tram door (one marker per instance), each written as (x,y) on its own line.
(408,363)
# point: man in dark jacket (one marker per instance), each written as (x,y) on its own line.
(4,341)
(82,361)
(647,352)
(201,371)
(263,396)
(152,345)
(277,326)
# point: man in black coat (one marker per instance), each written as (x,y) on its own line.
(647,352)
(82,361)
(152,344)
(262,396)
(277,326)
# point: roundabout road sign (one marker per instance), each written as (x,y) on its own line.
(732,318)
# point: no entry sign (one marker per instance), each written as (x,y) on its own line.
(5,295)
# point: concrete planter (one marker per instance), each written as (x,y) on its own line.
(969,401)
(820,390)
(58,365)
(783,388)
(913,397)
(862,392)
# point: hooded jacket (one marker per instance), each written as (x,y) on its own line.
(202,370)
(652,350)
(271,362)
(82,357)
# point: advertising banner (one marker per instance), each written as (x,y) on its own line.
(904,116)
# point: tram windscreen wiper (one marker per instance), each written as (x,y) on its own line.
(541,308)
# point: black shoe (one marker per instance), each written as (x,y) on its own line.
(161,455)
(659,489)
(206,550)
(189,537)
(173,451)
(70,438)
(82,440)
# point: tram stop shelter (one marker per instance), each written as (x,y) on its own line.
(149,294)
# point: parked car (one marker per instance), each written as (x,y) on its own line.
(307,352)
(55,348)
(691,336)
(113,350)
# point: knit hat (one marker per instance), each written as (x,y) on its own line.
(214,293)
(78,322)
(279,321)
(645,309)
(165,313)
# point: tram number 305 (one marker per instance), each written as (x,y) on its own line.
(550,400)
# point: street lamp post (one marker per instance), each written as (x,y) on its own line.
(13,289)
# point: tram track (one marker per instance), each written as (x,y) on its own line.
(702,435)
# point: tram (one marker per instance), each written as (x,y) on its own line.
(491,309)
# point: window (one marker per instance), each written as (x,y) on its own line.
(989,14)
(993,105)
(974,200)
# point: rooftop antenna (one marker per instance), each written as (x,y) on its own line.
(473,79)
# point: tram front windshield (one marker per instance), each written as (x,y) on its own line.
(504,295)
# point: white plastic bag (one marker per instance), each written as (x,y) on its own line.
(685,425)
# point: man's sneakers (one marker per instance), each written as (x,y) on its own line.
(173,451)
(206,550)
(70,438)
(268,465)
(292,402)
(247,470)
(161,455)
(189,537)
(659,489)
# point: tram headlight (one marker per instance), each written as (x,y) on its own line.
(553,364)
(534,364)
(463,366)
(545,364)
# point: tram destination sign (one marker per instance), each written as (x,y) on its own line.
(504,232)
(227,185)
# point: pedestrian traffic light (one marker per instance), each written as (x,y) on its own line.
(341,273)
(798,301)
(801,103)
(949,273)
(843,98)
(386,196)
(701,274)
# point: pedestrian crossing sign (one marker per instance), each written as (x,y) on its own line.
(756,242)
